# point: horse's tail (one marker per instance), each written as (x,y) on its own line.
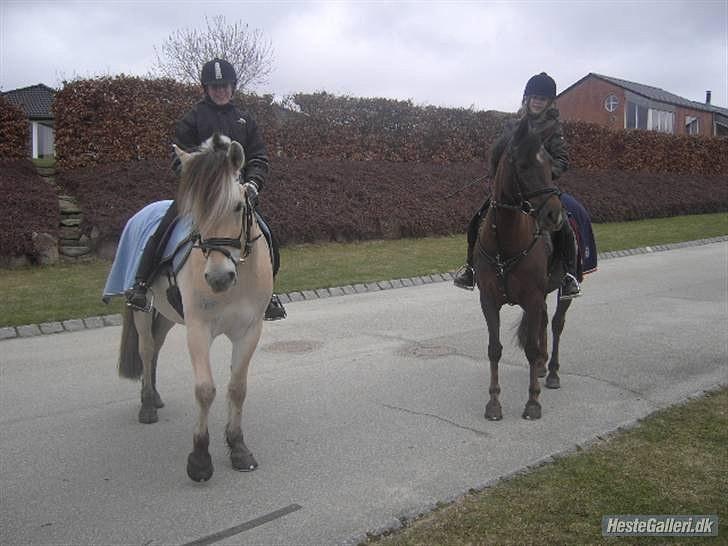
(130,363)
(522,333)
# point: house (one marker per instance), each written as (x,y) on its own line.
(621,104)
(36,101)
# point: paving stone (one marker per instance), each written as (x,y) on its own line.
(384,285)
(285,298)
(348,289)
(51,327)
(296,296)
(323,292)
(73,325)
(396,283)
(112,320)
(93,322)
(372,286)
(28,330)
(360,288)
(337,291)
(309,294)
(8,332)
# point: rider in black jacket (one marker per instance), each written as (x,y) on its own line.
(214,113)
(538,106)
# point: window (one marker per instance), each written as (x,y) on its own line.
(642,117)
(661,121)
(692,125)
(611,103)
(636,116)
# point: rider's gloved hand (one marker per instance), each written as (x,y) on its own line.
(251,190)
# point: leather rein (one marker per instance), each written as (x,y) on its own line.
(504,265)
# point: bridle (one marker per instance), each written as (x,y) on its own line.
(223,244)
(503,266)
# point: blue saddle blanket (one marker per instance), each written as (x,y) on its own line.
(138,230)
(582,226)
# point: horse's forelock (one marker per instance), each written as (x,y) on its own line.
(208,187)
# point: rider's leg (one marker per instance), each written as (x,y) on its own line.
(275,309)
(569,285)
(136,296)
(465,276)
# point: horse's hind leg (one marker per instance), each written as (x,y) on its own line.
(557,327)
(152,329)
(240,456)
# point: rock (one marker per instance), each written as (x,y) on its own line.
(75,251)
(45,248)
(68,206)
(71,222)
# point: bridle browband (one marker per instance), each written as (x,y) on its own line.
(222,244)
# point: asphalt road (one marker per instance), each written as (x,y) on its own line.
(361,410)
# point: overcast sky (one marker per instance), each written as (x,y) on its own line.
(456,53)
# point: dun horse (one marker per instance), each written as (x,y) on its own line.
(225,285)
(512,261)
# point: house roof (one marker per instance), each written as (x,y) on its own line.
(654,93)
(36,101)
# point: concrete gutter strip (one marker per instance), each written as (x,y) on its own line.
(74,325)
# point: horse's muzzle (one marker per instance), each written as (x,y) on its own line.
(219,282)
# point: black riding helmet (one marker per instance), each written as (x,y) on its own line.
(542,85)
(218,71)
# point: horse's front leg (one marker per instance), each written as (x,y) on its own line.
(557,327)
(535,353)
(199,462)
(491,310)
(243,348)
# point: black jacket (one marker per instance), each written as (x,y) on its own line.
(206,118)
(550,130)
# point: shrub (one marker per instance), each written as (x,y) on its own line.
(29,205)
(13,131)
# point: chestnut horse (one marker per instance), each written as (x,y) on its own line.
(225,285)
(512,259)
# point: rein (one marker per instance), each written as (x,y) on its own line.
(503,266)
(221,244)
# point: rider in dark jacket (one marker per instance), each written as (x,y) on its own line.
(538,106)
(214,113)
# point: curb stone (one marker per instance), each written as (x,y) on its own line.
(75,325)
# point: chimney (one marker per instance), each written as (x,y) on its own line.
(707,97)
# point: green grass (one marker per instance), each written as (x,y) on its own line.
(675,462)
(41,294)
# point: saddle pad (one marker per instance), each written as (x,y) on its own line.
(581,223)
(138,230)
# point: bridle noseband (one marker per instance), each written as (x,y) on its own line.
(222,244)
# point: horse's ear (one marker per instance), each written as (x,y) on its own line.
(521,130)
(183,156)
(236,154)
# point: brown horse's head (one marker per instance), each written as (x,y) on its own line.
(210,193)
(524,178)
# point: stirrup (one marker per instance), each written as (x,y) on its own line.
(134,294)
(574,283)
(275,309)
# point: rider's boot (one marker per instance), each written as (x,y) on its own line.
(569,284)
(465,277)
(275,310)
(136,297)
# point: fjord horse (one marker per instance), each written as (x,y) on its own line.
(225,285)
(512,259)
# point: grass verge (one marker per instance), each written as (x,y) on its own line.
(73,290)
(675,462)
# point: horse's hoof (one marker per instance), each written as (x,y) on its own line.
(493,411)
(157,400)
(552,381)
(532,411)
(148,415)
(541,371)
(199,466)
(243,461)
